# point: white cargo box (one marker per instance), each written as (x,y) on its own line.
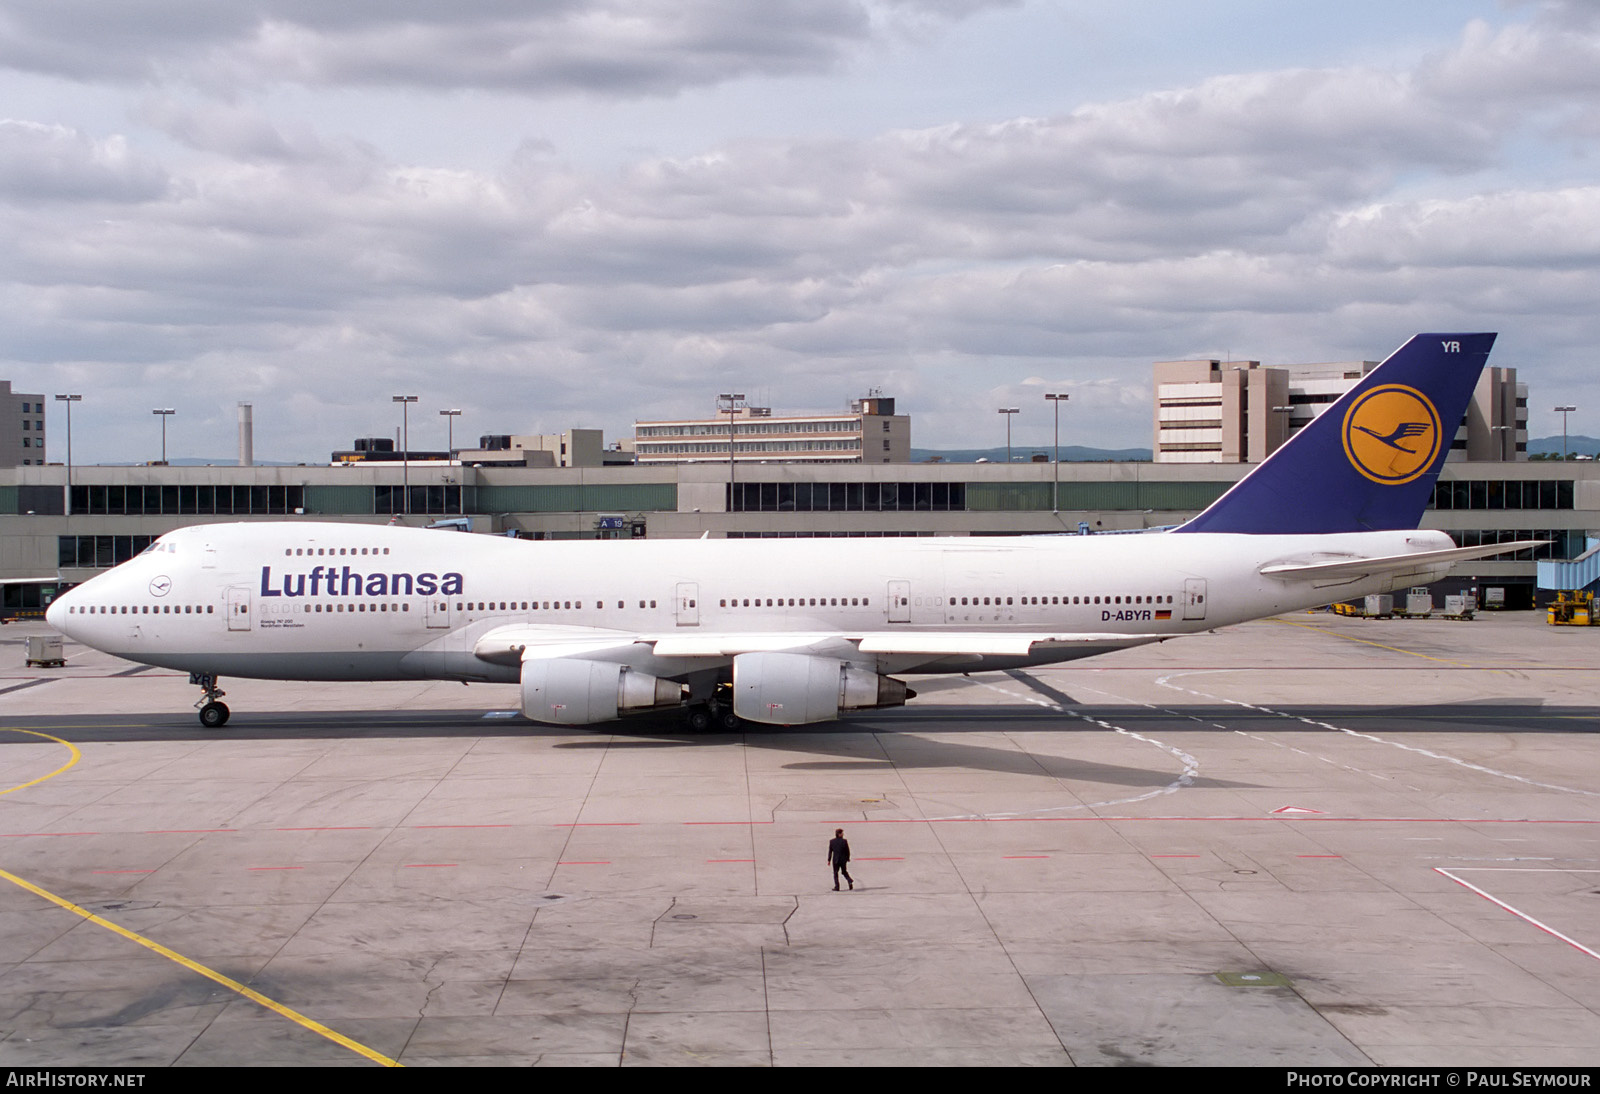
(1379,605)
(45,650)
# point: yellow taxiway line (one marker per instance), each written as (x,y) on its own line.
(173,955)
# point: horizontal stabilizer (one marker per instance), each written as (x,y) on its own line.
(1358,567)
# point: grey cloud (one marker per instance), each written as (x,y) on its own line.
(1554,229)
(230,131)
(1259,215)
(621,47)
(50,163)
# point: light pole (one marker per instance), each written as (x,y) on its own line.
(1008,411)
(69,400)
(1561,410)
(1500,441)
(1056,400)
(730,401)
(405,449)
(450,417)
(1288,423)
(164,415)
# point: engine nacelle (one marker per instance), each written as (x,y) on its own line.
(796,688)
(569,691)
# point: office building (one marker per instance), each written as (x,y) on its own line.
(869,432)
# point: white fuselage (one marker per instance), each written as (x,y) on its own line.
(318,601)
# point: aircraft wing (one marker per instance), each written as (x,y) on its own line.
(1004,645)
(889,642)
(1352,568)
(517,643)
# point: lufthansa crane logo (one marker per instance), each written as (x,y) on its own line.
(1392,434)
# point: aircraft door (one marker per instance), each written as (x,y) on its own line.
(239,608)
(688,604)
(1194,598)
(899,601)
(438,611)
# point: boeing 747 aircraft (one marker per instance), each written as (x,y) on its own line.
(786,632)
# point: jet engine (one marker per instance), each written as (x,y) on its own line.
(796,688)
(570,691)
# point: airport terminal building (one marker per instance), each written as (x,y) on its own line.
(54,535)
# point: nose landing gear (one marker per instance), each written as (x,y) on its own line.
(213,714)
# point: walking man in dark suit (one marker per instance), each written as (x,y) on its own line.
(839,858)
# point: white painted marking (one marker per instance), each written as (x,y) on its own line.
(1516,912)
(1164,681)
(1191,766)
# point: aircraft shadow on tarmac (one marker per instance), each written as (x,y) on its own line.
(868,741)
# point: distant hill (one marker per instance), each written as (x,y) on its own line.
(1070,453)
(1576,444)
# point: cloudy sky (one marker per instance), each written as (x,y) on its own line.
(581,212)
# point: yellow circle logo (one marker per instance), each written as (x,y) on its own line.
(1392,434)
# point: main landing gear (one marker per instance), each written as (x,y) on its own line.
(716,713)
(213,714)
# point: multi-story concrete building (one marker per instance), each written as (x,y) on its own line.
(1211,411)
(570,448)
(870,432)
(21,428)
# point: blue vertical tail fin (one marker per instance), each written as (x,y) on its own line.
(1367,463)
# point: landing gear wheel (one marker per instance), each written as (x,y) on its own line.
(698,719)
(213,712)
(730,721)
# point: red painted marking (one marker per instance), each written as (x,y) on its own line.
(274,867)
(426,865)
(461,826)
(730,822)
(1277,819)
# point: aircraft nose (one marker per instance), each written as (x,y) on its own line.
(56,613)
